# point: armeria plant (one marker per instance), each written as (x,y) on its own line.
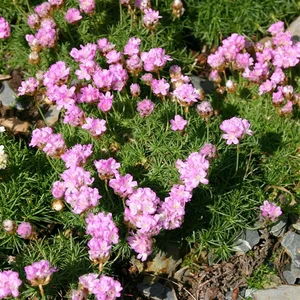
(101,88)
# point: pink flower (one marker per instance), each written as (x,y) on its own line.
(28,86)
(4,28)
(160,87)
(186,94)
(205,110)
(72,16)
(270,210)
(145,107)
(276,28)
(178,123)
(155,59)
(151,18)
(43,10)
(106,101)
(135,90)
(123,185)
(39,272)
(87,6)
(235,129)
(95,126)
(132,47)
(24,230)
(9,284)
(77,155)
(33,21)
(113,57)
(140,243)
(209,151)
(107,168)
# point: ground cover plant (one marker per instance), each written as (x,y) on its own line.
(140,158)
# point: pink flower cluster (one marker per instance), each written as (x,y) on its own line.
(178,123)
(9,284)
(270,210)
(75,189)
(104,288)
(145,107)
(235,129)
(39,273)
(52,144)
(25,230)
(145,214)
(104,233)
(266,67)
(193,170)
(4,29)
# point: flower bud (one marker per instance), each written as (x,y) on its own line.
(9,226)
(231,86)
(58,205)
(34,58)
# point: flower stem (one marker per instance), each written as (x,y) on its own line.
(42,291)
(237,157)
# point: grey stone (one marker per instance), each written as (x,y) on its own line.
(283,292)
(156,291)
(291,243)
(52,115)
(295,268)
(252,237)
(279,227)
(241,246)
(288,274)
(294,29)
(7,95)
(249,293)
(198,83)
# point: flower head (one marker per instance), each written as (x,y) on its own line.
(178,123)
(39,273)
(4,28)
(9,284)
(270,210)
(145,107)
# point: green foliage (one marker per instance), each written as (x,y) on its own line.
(146,147)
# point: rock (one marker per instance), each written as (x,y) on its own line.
(252,237)
(184,274)
(202,83)
(52,115)
(249,293)
(283,292)
(291,243)
(156,291)
(165,262)
(279,228)
(15,125)
(7,95)
(294,29)
(244,245)
(288,274)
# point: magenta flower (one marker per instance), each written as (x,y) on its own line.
(72,16)
(140,243)
(135,90)
(39,273)
(276,28)
(9,284)
(205,110)
(33,21)
(24,230)
(235,129)
(87,6)
(160,87)
(155,59)
(107,168)
(178,124)
(132,47)
(270,210)
(95,126)
(151,18)
(4,28)
(28,87)
(145,107)
(106,102)
(209,151)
